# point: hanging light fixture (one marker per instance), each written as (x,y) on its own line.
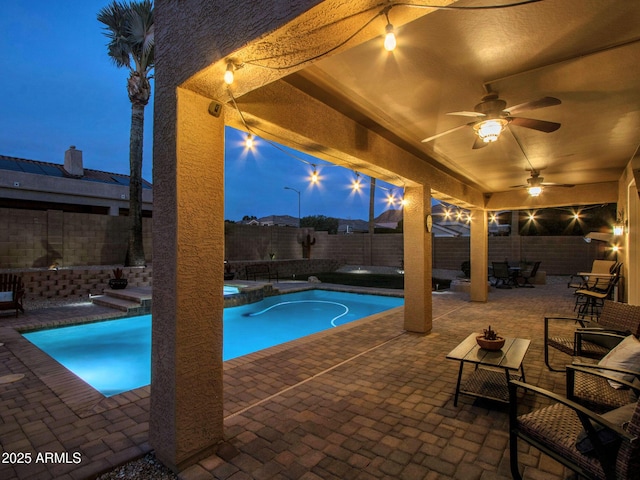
(390,36)
(228,74)
(490,130)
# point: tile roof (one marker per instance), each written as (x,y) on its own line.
(57,170)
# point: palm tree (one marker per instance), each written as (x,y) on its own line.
(129,28)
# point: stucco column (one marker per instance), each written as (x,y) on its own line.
(186,420)
(418,315)
(479,252)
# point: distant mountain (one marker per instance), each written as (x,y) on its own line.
(389,217)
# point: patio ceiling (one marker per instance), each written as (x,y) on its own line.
(583,52)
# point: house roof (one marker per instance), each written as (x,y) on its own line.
(57,170)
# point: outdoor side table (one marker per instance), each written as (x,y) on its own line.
(493,369)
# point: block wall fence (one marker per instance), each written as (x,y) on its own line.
(86,246)
(38,239)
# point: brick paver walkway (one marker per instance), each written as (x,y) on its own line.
(364,401)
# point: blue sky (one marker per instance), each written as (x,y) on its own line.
(59,88)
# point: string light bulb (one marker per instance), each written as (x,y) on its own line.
(391,199)
(228,74)
(390,38)
(356,185)
(315,178)
(249,141)
(390,35)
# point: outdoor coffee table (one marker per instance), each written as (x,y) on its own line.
(493,369)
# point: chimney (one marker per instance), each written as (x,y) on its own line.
(73,162)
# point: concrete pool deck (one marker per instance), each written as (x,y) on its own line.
(367,400)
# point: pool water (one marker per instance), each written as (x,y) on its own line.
(114,356)
(230,290)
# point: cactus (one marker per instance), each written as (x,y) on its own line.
(306,246)
(490,334)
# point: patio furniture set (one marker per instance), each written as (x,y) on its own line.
(503,275)
(594,429)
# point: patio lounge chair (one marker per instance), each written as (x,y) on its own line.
(595,446)
(593,339)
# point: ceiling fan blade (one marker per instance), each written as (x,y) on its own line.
(479,143)
(519,186)
(540,125)
(446,132)
(467,114)
(566,185)
(534,104)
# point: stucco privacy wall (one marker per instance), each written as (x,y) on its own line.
(36,238)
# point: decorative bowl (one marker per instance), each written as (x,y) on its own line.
(496,344)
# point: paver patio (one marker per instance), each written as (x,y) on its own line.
(363,401)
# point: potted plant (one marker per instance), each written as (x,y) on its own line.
(118,282)
(490,340)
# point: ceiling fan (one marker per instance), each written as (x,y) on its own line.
(535,184)
(492,117)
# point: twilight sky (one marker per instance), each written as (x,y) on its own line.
(59,88)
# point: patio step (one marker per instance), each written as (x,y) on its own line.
(134,301)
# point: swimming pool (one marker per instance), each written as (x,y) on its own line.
(114,356)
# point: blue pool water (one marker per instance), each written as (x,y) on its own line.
(230,290)
(114,356)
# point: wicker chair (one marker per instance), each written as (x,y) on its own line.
(588,385)
(559,431)
(593,339)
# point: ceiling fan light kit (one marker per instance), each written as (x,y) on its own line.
(490,130)
(535,191)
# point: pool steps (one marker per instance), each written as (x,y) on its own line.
(134,301)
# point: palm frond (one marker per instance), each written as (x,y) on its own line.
(129,28)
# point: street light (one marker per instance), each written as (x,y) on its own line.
(298,192)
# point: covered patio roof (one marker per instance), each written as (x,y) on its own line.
(313,75)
